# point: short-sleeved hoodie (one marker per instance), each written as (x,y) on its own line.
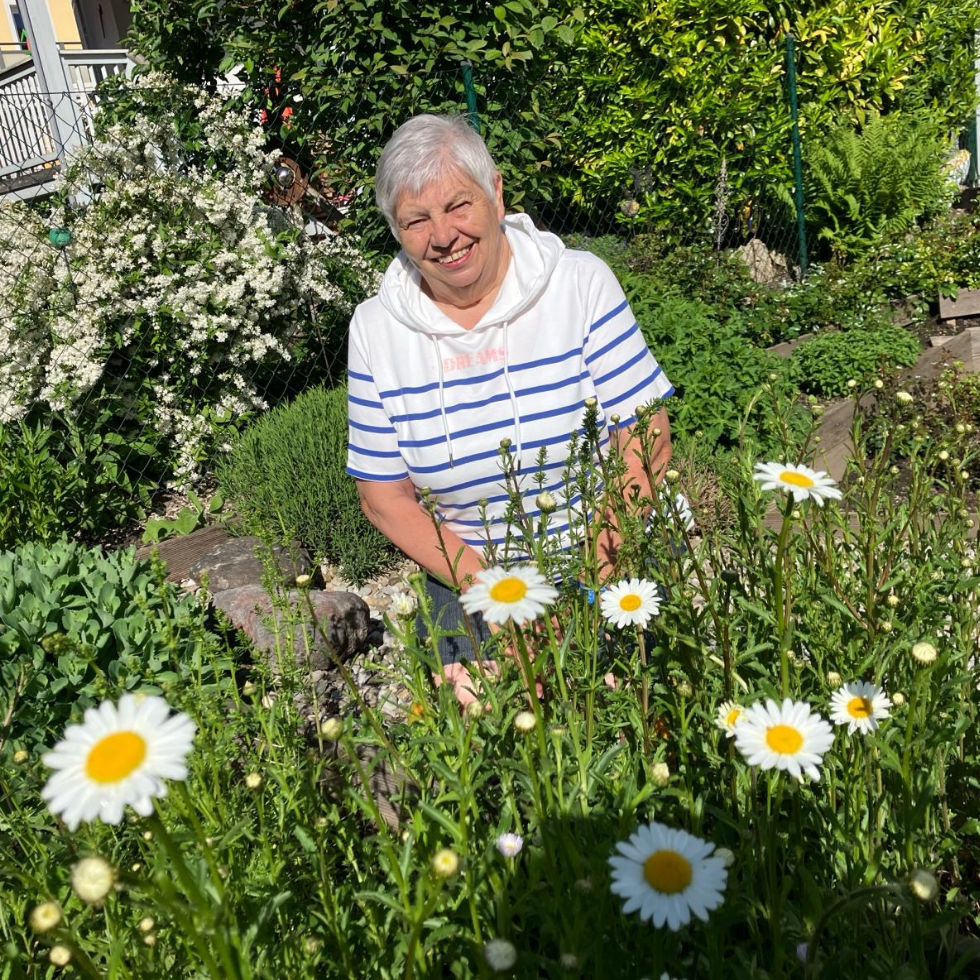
(431,400)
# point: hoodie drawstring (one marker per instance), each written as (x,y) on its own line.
(513,396)
(442,400)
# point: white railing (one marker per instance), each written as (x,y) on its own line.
(29,149)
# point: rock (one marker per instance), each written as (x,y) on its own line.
(764,266)
(239,561)
(343,622)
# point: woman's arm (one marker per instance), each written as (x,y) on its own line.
(626,442)
(394,510)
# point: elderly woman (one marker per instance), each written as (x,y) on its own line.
(484,329)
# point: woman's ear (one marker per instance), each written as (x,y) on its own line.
(498,184)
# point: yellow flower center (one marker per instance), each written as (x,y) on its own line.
(859,708)
(796,479)
(784,739)
(115,757)
(508,590)
(667,872)
(733,716)
(630,602)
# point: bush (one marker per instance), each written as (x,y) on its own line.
(77,625)
(183,302)
(286,478)
(863,186)
(58,481)
(716,369)
(826,363)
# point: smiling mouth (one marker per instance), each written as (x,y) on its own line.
(455,257)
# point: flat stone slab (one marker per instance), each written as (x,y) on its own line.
(235,562)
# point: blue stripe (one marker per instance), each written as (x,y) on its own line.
(554,385)
(414,443)
(377,453)
(517,535)
(360,377)
(636,388)
(625,335)
(557,359)
(387,430)
(534,514)
(374,477)
(458,382)
(603,319)
(439,467)
(364,402)
(414,416)
(499,498)
(625,366)
(484,481)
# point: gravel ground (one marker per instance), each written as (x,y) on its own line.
(373,670)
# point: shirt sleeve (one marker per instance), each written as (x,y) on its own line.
(372,443)
(624,372)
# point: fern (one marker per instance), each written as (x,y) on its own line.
(861,186)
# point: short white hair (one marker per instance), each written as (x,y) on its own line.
(424,149)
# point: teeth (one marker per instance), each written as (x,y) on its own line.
(455,255)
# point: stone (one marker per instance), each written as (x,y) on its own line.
(763,265)
(238,562)
(343,621)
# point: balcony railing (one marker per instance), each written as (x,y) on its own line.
(36,126)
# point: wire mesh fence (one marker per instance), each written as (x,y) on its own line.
(158,290)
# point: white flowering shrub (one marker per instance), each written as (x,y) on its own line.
(182,298)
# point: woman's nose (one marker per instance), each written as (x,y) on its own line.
(444,231)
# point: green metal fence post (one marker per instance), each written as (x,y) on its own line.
(470,95)
(797,155)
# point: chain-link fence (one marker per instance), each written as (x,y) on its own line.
(160,291)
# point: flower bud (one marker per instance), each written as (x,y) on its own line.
(923,885)
(333,728)
(45,917)
(445,862)
(903,398)
(545,502)
(660,774)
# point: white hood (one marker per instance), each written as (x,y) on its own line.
(534,255)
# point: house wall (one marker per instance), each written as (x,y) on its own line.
(62,18)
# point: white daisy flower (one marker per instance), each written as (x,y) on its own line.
(789,737)
(728,716)
(630,603)
(503,594)
(117,756)
(666,874)
(510,845)
(799,480)
(859,705)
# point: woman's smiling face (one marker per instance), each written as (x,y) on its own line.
(451,232)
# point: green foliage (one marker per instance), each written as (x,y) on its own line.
(286,478)
(825,364)
(724,383)
(192,516)
(936,259)
(275,858)
(334,105)
(671,89)
(863,186)
(78,625)
(57,480)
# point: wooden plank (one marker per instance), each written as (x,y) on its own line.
(967,303)
(180,553)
